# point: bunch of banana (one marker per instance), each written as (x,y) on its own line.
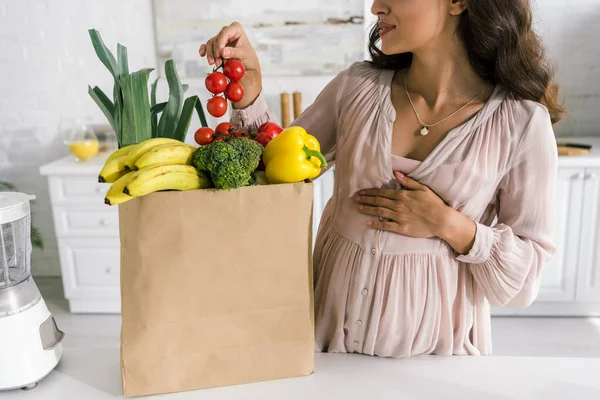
(157,151)
(154,179)
(151,166)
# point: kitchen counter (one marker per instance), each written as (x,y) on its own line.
(69,166)
(93,374)
(592,159)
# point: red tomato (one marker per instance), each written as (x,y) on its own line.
(224,128)
(265,137)
(239,134)
(216,83)
(234,70)
(234,92)
(217,106)
(204,136)
(270,127)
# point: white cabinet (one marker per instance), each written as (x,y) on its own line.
(323,187)
(559,275)
(87,232)
(588,282)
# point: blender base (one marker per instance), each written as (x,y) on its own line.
(26,355)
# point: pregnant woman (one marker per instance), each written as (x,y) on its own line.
(445,166)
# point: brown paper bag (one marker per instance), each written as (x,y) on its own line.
(216,288)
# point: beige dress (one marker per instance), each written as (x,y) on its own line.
(385,294)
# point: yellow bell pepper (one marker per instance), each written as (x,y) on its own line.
(293,156)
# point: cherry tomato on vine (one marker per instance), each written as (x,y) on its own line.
(234,70)
(234,92)
(224,128)
(217,106)
(216,83)
(204,136)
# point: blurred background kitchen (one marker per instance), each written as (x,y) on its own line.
(47,62)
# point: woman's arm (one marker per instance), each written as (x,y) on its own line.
(320,119)
(507,260)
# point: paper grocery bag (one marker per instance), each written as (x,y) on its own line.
(216,288)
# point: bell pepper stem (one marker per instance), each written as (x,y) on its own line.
(314,153)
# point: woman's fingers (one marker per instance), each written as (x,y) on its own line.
(392,194)
(206,50)
(233,52)
(376,201)
(228,34)
(389,226)
(377,212)
(215,46)
(409,183)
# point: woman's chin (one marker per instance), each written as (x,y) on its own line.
(391,50)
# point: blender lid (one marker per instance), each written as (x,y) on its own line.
(14,206)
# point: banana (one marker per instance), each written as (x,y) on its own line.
(113,169)
(152,172)
(141,148)
(166,154)
(115,193)
(170,181)
(120,152)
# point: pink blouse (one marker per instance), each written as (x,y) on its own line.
(404,165)
(385,294)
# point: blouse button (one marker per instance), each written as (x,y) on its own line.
(359,322)
(373,251)
(356,343)
(364,291)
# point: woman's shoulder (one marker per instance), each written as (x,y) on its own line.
(520,118)
(527,125)
(527,111)
(361,81)
(362,72)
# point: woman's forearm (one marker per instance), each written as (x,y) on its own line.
(457,230)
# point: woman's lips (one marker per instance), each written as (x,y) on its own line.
(385,29)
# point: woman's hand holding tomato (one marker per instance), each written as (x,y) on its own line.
(232,43)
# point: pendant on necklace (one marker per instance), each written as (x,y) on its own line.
(424,131)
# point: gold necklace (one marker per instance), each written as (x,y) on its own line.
(425,127)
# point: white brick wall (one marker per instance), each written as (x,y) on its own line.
(572,35)
(46,63)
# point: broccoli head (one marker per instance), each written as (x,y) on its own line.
(230,163)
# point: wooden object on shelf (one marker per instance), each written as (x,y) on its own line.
(297,104)
(285,110)
(573,149)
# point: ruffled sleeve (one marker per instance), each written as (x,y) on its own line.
(507,259)
(320,119)
(249,119)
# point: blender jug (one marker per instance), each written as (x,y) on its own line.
(15,251)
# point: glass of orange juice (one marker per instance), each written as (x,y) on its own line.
(82,140)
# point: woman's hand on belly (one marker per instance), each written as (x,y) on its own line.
(416,211)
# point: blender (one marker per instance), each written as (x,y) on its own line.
(30,341)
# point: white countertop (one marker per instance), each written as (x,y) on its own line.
(93,374)
(68,165)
